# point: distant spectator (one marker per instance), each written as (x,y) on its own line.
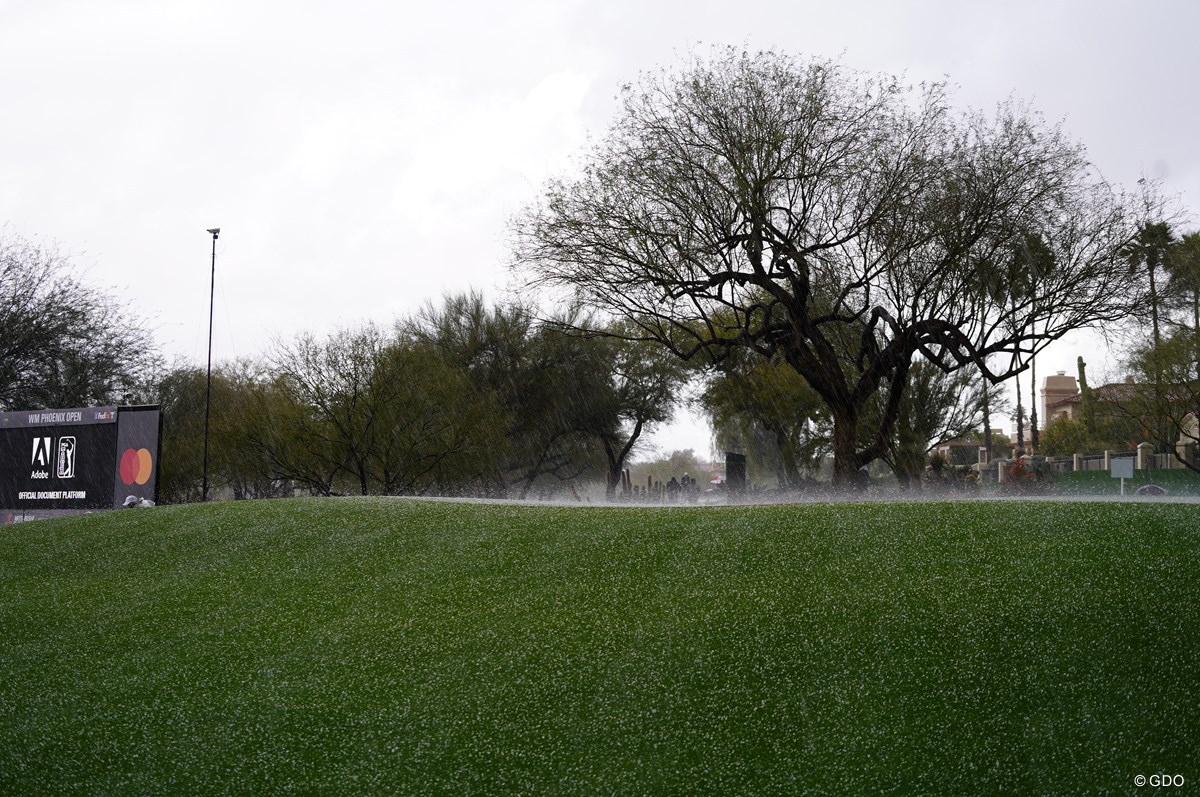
(133,502)
(672,490)
(691,490)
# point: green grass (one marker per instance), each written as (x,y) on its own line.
(1176,482)
(389,646)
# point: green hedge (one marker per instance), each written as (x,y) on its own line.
(1176,482)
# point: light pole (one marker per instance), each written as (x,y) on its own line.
(214,232)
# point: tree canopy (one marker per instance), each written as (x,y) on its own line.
(842,222)
(64,343)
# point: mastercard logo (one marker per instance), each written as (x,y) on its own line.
(136,466)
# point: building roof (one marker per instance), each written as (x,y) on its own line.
(1112,392)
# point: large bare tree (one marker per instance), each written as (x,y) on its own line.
(846,223)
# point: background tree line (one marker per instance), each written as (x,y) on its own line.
(847,265)
(462,398)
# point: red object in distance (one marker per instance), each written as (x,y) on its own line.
(136,465)
(129,466)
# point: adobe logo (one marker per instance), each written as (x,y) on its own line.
(136,466)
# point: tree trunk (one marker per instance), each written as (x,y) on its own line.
(987,423)
(533,473)
(616,459)
(1020,420)
(1033,417)
(1196,326)
(1158,435)
(908,474)
(846,467)
(615,473)
(1085,399)
(848,460)
(1151,266)
(788,472)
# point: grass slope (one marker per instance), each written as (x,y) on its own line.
(391,646)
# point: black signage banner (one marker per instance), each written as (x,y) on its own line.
(136,464)
(77,459)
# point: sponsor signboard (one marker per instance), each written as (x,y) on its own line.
(77,459)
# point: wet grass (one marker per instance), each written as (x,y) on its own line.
(389,646)
(1175,482)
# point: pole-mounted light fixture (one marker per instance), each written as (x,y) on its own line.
(214,232)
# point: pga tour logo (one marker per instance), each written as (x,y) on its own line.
(43,455)
(66,457)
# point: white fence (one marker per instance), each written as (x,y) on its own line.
(1143,459)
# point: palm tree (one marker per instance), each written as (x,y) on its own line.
(1148,250)
(1183,265)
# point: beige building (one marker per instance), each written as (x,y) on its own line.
(1060,397)
(1071,405)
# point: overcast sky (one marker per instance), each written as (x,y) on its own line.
(362,158)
